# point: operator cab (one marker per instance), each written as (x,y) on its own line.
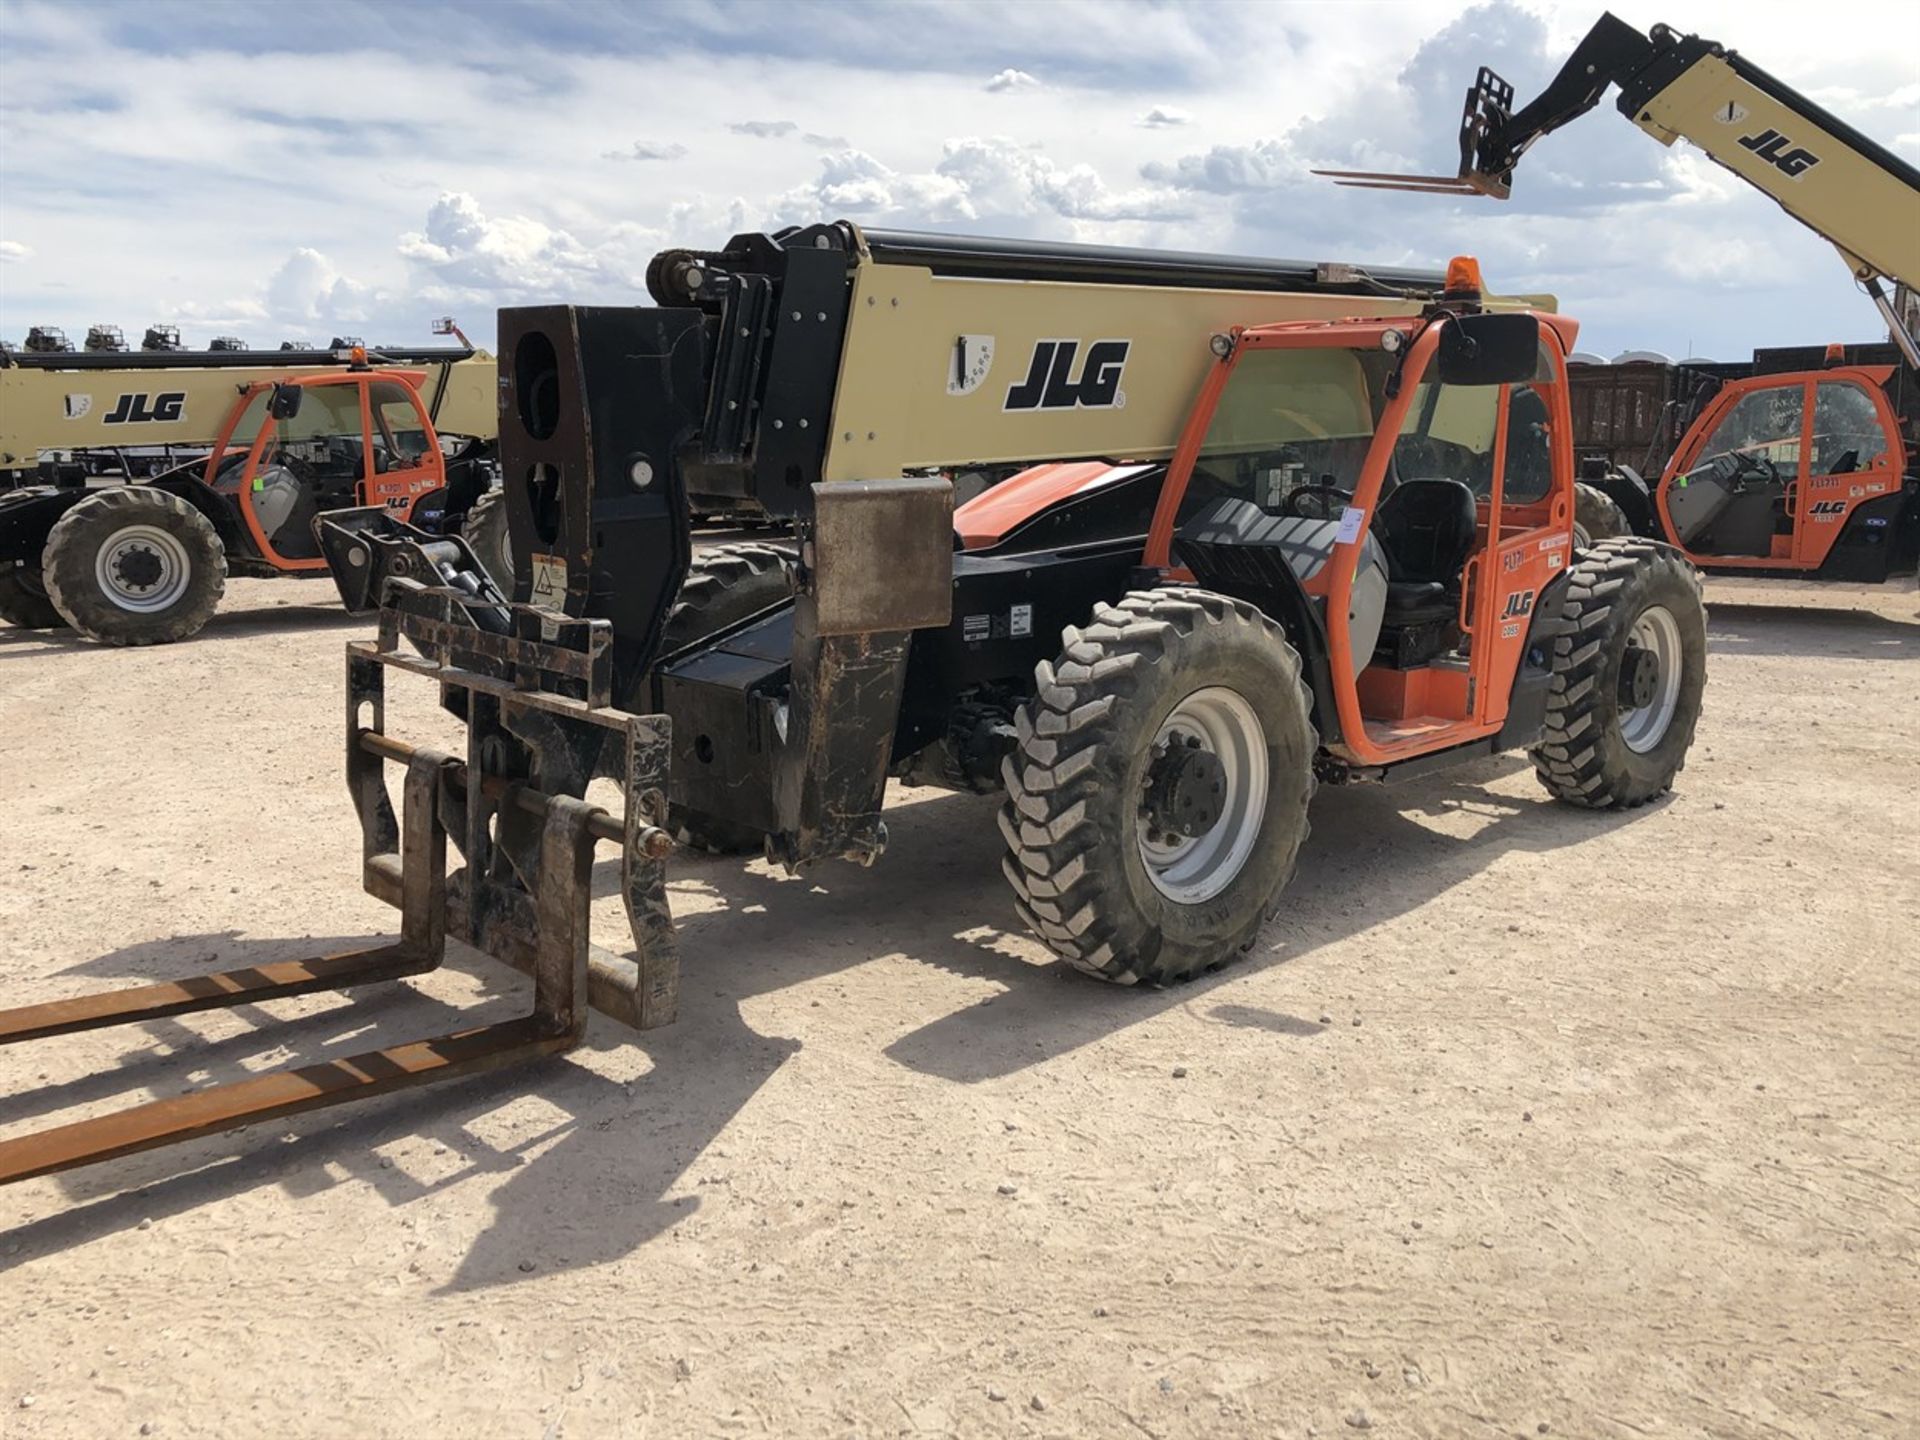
(301,447)
(1771,473)
(1461,516)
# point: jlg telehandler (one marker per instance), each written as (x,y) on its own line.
(1804,464)
(260,444)
(1809,474)
(1309,524)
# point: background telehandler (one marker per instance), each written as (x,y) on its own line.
(1810,473)
(171,469)
(1308,524)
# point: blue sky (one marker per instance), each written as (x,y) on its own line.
(304,170)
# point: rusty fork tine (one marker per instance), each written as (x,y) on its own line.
(204,992)
(423,863)
(558,1020)
(420,947)
(274,1096)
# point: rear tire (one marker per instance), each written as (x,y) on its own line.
(135,566)
(1618,723)
(1097,871)
(485,531)
(23,598)
(724,586)
(1596,517)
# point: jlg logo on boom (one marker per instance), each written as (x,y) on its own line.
(1769,145)
(132,409)
(1050,384)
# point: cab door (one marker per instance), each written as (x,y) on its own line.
(406,463)
(1527,529)
(1734,493)
(301,465)
(1853,456)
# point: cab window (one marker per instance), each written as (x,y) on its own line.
(399,436)
(1847,435)
(323,442)
(1448,435)
(1529,476)
(1758,440)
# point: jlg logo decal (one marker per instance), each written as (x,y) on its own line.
(1518,603)
(1828,510)
(1050,382)
(133,409)
(1771,146)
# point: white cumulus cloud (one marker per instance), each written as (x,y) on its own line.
(1012,80)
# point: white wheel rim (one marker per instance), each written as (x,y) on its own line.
(1197,868)
(1658,632)
(142,568)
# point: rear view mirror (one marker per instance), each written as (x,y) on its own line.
(286,401)
(1489,350)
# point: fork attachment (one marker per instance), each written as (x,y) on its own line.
(1484,120)
(515,811)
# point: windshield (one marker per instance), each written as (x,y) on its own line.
(248,425)
(1289,422)
(324,440)
(1293,427)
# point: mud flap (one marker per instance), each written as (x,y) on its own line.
(877,565)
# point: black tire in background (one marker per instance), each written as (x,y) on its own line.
(485,530)
(135,566)
(725,585)
(1090,875)
(1628,679)
(23,598)
(1597,516)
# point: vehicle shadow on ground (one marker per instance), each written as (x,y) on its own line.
(1371,859)
(1810,634)
(287,619)
(260,620)
(595,1184)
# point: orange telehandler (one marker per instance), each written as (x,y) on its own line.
(240,452)
(1318,529)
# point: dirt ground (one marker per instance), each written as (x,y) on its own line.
(1519,1121)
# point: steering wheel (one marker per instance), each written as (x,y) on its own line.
(1317,501)
(280,459)
(1738,466)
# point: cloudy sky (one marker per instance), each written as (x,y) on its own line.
(301,170)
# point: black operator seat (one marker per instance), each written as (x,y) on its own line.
(1427,527)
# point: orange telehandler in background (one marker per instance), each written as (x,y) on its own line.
(1809,472)
(168,470)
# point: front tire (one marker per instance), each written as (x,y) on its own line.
(135,566)
(1628,678)
(23,598)
(1157,798)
